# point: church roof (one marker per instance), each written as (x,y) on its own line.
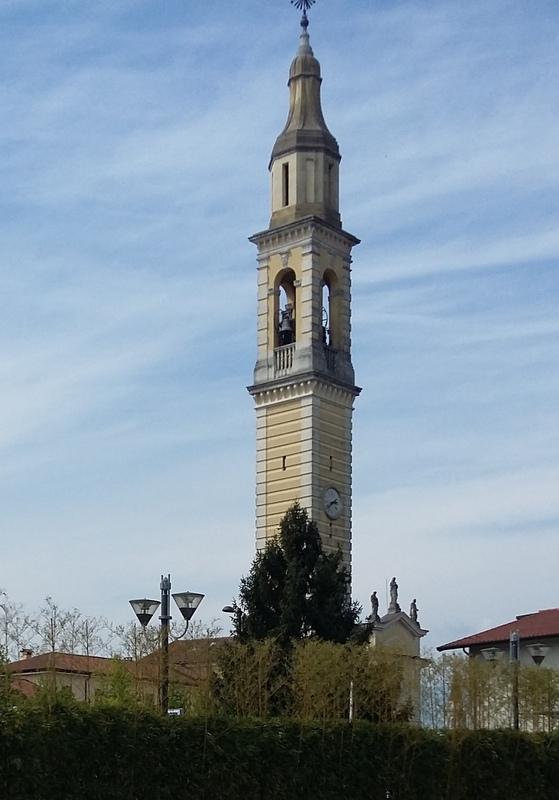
(539,625)
(401,618)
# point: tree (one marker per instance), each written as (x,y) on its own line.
(296,590)
(118,687)
(17,628)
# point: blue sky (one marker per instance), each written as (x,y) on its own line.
(135,139)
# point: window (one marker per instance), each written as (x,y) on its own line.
(330,187)
(285,184)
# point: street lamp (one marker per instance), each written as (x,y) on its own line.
(144,610)
(238,614)
(491,654)
(538,652)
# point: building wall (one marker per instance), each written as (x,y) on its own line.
(399,640)
(303,446)
(334,412)
(81,685)
(304,404)
(551,659)
(280,429)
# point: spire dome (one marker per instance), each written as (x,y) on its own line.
(304,62)
(305,128)
(306,158)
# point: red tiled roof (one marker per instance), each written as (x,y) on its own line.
(189,660)
(538,625)
(61,662)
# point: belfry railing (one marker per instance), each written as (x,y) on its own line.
(283,360)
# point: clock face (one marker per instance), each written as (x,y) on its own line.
(332,503)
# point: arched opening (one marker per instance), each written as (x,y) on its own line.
(285,310)
(329,312)
(326,314)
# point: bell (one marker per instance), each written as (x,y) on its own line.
(286,332)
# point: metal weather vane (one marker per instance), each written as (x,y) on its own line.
(304,6)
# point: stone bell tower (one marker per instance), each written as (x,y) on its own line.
(304,385)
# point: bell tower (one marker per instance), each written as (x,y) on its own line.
(304,385)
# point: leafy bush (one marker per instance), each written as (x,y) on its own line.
(313,680)
(108,753)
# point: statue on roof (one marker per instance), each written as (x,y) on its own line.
(374,609)
(413,611)
(394,607)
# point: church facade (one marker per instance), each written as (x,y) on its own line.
(304,385)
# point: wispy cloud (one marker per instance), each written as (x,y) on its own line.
(135,141)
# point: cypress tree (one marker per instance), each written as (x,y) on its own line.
(294,589)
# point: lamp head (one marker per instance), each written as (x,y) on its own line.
(538,652)
(187,603)
(144,609)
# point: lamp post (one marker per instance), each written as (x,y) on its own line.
(144,609)
(515,661)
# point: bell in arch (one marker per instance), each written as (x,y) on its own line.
(287,326)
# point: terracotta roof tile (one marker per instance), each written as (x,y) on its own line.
(190,661)
(538,625)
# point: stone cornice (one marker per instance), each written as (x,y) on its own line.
(403,619)
(299,231)
(303,385)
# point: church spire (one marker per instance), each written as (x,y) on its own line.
(305,157)
(304,383)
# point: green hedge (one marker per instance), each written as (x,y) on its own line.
(112,754)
